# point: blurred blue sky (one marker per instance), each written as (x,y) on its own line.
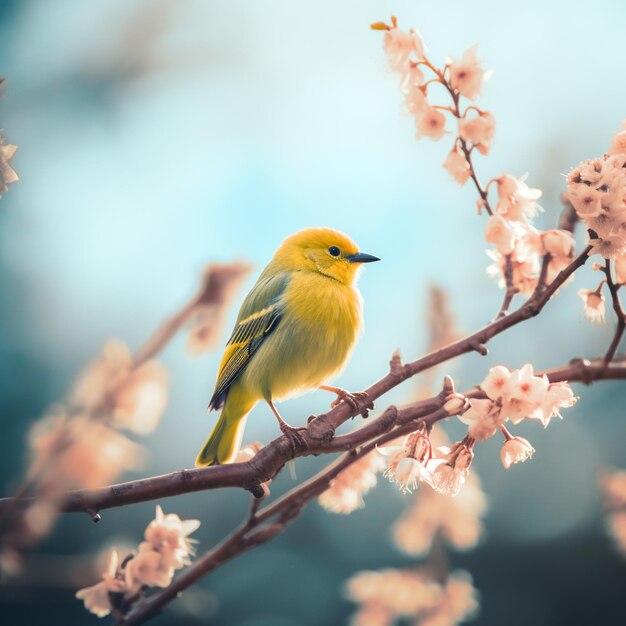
(157,136)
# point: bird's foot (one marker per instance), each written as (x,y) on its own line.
(297,441)
(356,400)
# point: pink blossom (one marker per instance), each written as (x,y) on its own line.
(609,246)
(410,473)
(135,396)
(520,394)
(456,519)
(458,604)
(587,172)
(166,549)
(147,568)
(501,233)
(403,592)
(597,191)
(467,75)
(517,201)
(613,486)
(416,102)
(527,392)
(96,598)
(586,200)
(556,266)
(558,242)
(408,463)
(607,223)
(451,468)
(168,536)
(412,79)
(497,383)
(515,450)
(141,400)
(432,123)
(346,491)
(594,305)
(483,418)
(400,45)
(558,396)
(478,130)
(79,452)
(457,166)
(525,272)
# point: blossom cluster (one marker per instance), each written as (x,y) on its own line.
(515,395)
(597,191)
(613,487)
(519,246)
(79,445)
(432,515)
(132,396)
(385,596)
(413,460)
(166,548)
(462,77)
(345,492)
(511,395)
(77,451)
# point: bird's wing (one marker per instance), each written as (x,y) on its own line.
(259,316)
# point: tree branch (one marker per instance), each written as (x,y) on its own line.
(258,529)
(393,423)
(319,436)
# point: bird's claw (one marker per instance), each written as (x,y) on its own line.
(354,399)
(296,440)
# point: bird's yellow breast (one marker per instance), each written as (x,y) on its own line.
(321,322)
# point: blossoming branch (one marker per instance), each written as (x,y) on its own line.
(400,443)
(79,444)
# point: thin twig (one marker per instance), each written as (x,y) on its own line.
(510,289)
(467,151)
(620,315)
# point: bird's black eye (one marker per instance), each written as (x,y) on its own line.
(334,251)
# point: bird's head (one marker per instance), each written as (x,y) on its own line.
(325,251)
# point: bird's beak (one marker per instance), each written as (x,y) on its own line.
(361,257)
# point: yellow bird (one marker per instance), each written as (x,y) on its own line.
(295,329)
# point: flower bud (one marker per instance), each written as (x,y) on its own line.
(515,450)
(455,403)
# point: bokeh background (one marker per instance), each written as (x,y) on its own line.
(156,136)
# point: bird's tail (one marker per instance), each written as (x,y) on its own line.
(223,444)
